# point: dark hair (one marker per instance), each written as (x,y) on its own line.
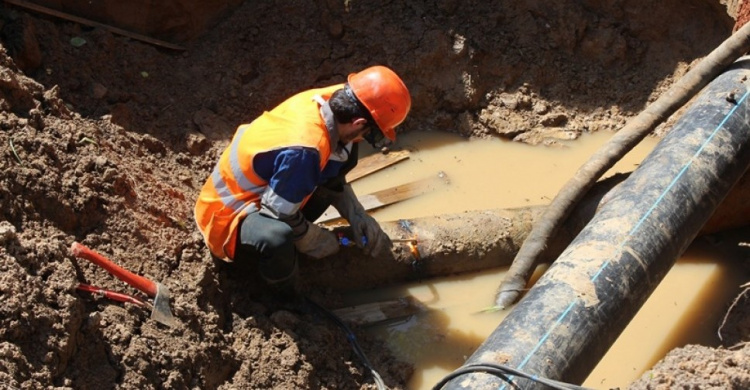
(346,107)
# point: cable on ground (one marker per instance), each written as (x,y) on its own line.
(352,340)
(503,372)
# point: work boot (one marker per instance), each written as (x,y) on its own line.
(280,280)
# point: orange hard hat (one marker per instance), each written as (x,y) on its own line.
(384,94)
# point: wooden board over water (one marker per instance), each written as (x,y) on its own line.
(392,195)
(374,163)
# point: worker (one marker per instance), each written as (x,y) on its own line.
(283,170)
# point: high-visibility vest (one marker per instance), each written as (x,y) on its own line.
(233,190)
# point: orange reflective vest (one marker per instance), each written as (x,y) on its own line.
(233,190)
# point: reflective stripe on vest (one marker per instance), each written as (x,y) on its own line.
(237,175)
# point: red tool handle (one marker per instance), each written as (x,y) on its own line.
(137,281)
(115,296)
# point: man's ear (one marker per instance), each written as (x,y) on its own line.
(359,121)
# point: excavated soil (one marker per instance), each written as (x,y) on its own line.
(106,140)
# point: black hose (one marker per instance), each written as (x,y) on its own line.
(352,340)
(503,372)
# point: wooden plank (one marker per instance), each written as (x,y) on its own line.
(378,312)
(392,195)
(87,22)
(374,163)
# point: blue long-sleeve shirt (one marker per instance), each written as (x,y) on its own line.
(292,174)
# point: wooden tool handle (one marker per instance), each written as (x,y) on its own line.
(137,281)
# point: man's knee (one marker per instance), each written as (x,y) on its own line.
(270,242)
(276,236)
(265,235)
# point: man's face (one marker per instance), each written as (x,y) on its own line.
(354,131)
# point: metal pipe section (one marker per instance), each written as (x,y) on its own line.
(572,316)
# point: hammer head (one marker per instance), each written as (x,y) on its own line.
(161,311)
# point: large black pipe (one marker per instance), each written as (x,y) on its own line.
(575,312)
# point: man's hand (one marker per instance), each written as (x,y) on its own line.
(377,242)
(317,242)
(363,225)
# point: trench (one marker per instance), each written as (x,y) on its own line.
(442,101)
(685,308)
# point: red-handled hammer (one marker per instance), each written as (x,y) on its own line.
(161,311)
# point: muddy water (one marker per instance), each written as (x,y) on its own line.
(500,174)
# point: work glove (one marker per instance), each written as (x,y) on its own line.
(368,235)
(317,242)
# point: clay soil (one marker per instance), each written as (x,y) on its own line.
(107,140)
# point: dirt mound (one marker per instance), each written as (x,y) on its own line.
(128,195)
(109,140)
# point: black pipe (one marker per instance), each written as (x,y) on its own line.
(572,316)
